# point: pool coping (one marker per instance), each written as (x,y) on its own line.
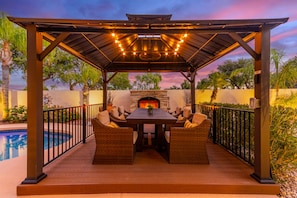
(4,127)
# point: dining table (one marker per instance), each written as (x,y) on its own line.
(158,116)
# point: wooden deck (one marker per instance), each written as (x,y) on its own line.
(74,174)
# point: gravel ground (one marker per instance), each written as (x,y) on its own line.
(289,184)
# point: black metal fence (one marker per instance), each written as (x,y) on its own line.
(64,128)
(233,129)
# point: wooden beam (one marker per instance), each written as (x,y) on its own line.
(111,77)
(53,44)
(145,66)
(126,24)
(202,46)
(227,50)
(72,51)
(147,30)
(35,108)
(262,116)
(244,45)
(186,77)
(97,48)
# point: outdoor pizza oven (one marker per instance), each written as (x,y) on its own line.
(146,101)
(142,98)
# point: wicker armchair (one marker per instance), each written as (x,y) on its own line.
(113,145)
(188,145)
(122,122)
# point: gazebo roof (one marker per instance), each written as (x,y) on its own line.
(149,42)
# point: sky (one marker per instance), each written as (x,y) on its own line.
(283,37)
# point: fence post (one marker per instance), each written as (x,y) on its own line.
(214,124)
(84,117)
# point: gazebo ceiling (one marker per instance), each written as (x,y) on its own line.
(149,42)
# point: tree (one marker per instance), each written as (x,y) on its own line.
(58,66)
(244,75)
(174,87)
(120,82)
(186,85)
(287,76)
(89,78)
(215,81)
(66,69)
(276,58)
(238,79)
(10,35)
(203,84)
(148,81)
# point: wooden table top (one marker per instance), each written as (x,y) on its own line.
(159,116)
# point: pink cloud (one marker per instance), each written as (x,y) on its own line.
(284,34)
(255,9)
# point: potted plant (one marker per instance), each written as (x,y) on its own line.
(150,109)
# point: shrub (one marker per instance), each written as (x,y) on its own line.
(283,130)
(17,114)
(61,114)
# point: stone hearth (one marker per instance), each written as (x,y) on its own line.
(161,95)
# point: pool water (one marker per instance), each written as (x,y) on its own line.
(13,143)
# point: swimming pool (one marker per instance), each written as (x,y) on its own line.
(13,143)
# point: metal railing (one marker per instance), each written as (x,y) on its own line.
(64,128)
(233,129)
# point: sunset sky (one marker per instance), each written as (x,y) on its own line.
(284,37)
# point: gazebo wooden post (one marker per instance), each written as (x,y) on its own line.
(262,118)
(193,96)
(104,78)
(35,109)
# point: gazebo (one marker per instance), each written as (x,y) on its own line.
(148,43)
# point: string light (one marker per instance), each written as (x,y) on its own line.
(166,53)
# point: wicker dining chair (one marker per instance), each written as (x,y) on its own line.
(188,145)
(113,145)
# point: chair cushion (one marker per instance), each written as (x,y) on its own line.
(101,108)
(167,136)
(135,136)
(189,124)
(113,125)
(177,110)
(186,112)
(115,111)
(122,117)
(198,118)
(103,117)
(180,117)
(122,109)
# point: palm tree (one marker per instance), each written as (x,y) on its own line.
(245,74)
(10,36)
(276,58)
(287,77)
(215,81)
